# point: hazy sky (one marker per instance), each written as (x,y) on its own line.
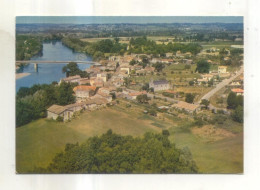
(125,19)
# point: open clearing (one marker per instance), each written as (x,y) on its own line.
(38,142)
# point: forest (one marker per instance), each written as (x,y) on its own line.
(113,153)
(27,46)
(32,103)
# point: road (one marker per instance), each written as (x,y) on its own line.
(221,85)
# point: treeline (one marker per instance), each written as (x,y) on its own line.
(136,45)
(143,45)
(210,31)
(27,46)
(112,153)
(31,103)
(96,49)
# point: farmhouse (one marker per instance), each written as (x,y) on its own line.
(66,112)
(186,106)
(159,85)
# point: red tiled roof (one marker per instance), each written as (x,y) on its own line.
(238,90)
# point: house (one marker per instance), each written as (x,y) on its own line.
(222,69)
(187,61)
(55,111)
(186,106)
(102,76)
(167,60)
(208,77)
(155,60)
(236,83)
(159,85)
(84,91)
(97,82)
(71,79)
(66,112)
(238,91)
(169,54)
(126,69)
(149,69)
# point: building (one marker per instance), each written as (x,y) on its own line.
(186,106)
(222,69)
(159,85)
(84,91)
(102,76)
(169,54)
(71,79)
(238,91)
(126,69)
(65,112)
(187,61)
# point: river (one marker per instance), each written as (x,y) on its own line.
(47,73)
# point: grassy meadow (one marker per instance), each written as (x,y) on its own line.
(39,141)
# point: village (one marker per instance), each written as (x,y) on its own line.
(163,78)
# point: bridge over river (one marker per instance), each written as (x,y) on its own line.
(36,62)
(48,62)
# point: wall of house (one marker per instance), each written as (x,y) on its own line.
(82,94)
(51,115)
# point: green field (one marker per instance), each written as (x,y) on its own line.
(38,142)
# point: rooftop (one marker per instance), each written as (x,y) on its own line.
(56,109)
(238,90)
(158,82)
(84,88)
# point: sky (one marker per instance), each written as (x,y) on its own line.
(126,19)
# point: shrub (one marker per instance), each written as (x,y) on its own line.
(59,119)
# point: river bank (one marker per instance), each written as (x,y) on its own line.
(21,75)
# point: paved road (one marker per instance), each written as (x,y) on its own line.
(221,85)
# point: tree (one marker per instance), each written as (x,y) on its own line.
(203,66)
(158,66)
(189,98)
(145,87)
(231,100)
(65,94)
(72,69)
(143,98)
(113,153)
(191,83)
(238,114)
(205,102)
(132,62)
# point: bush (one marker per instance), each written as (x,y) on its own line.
(238,114)
(59,119)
